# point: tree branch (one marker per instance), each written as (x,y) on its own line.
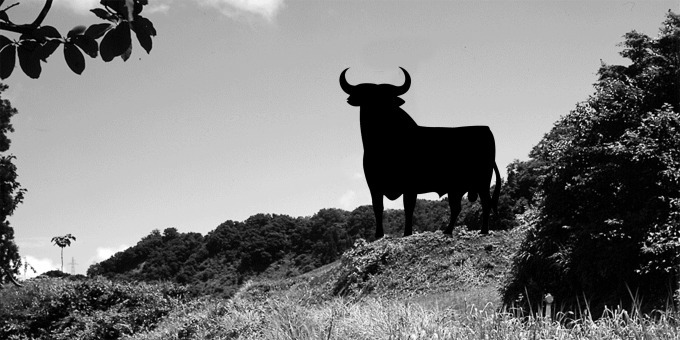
(43,13)
(11,278)
(27,28)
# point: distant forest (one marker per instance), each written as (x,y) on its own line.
(266,245)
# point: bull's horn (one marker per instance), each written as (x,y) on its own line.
(407,83)
(344,84)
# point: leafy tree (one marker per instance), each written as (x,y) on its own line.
(609,212)
(361,223)
(61,242)
(11,195)
(522,184)
(36,43)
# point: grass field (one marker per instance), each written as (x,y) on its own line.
(427,317)
(427,286)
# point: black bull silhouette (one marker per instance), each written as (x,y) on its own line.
(403,158)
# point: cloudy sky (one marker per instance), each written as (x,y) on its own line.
(237,110)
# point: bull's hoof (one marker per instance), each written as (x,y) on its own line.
(484,232)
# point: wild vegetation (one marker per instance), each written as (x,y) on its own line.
(81,308)
(372,292)
(265,246)
(11,195)
(607,221)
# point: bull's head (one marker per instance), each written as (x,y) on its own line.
(374,94)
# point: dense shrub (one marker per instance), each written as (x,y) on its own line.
(608,216)
(54,308)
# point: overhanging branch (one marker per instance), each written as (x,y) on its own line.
(27,28)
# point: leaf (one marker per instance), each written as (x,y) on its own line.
(4,41)
(102,13)
(7,61)
(142,36)
(87,44)
(80,29)
(126,54)
(146,24)
(46,49)
(139,6)
(47,32)
(74,58)
(96,31)
(29,59)
(116,42)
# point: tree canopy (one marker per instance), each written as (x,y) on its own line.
(11,194)
(609,185)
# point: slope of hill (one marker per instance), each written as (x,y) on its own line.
(394,288)
(427,263)
(263,246)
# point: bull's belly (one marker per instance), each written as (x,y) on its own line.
(421,178)
(393,190)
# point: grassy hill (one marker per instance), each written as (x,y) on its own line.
(428,263)
(426,286)
(264,246)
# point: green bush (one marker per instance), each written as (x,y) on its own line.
(608,217)
(54,308)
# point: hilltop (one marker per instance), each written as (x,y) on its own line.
(424,264)
(267,246)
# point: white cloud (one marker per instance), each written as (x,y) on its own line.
(40,265)
(348,200)
(156,8)
(78,6)
(236,8)
(359,175)
(103,253)
(231,8)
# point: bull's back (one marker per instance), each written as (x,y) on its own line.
(432,159)
(472,142)
(450,156)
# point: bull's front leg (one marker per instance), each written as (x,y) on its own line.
(409,206)
(377,199)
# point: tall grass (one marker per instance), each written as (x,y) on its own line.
(435,317)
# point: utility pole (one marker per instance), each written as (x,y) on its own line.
(73,266)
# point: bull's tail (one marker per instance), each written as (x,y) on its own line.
(496,191)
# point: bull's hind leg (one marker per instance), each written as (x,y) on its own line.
(486,209)
(454,204)
(409,206)
(377,200)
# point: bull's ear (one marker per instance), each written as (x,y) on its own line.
(398,101)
